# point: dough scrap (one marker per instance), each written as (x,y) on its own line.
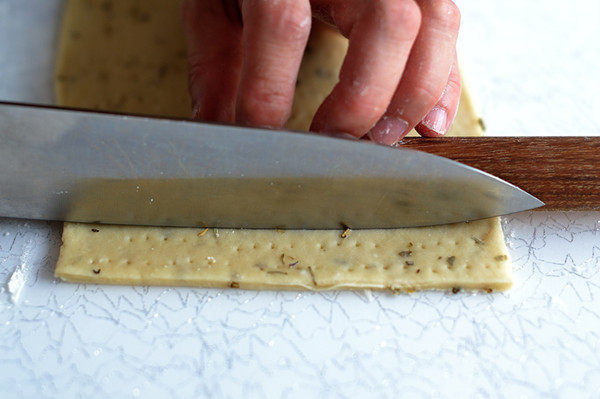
(129,56)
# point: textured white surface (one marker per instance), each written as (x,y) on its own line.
(534,66)
(539,338)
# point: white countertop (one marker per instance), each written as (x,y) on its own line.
(534,69)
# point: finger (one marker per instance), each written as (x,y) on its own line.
(274,37)
(426,72)
(437,122)
(213,34)
(380,43)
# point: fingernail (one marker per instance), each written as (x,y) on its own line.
(388,130)
(436,120)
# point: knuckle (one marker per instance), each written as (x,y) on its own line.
(259,115)
(367,110)
(265,106)
(427,94)
(291,18)
(444,13)
(399,14)
(271,99)
(368,100)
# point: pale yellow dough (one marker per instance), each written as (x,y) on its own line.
(129,56)
(449,256)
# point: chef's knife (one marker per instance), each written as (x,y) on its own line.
(73,165)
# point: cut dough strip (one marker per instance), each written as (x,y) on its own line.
(462,255)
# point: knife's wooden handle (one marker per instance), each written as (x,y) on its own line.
(564,172)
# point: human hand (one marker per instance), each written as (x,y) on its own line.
(400,71)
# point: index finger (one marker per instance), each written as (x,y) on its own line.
(215,58)
(274,36)
(380,42)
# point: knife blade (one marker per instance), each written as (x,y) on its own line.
(85,166)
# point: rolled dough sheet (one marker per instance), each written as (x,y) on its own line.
(129,56)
